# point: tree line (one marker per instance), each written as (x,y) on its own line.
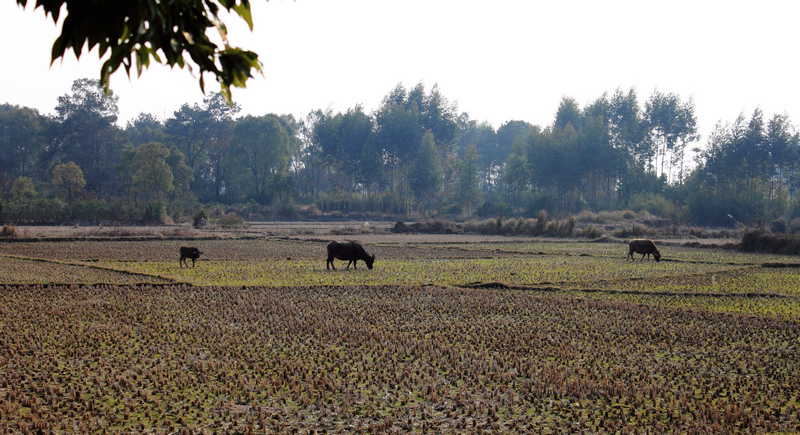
(415,156)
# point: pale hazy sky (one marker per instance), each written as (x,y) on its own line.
(498,60)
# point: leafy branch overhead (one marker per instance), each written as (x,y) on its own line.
(171,32)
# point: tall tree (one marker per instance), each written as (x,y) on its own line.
(217,173)
(569,113)
(509,134)
(398,135)
(151,173)
(182,175)
(68,178)
(672,125)
(88,135)
(484,138)
(468,192)
(783,143)
(515,173)
(627,133)
(596,155)
(22,141)
(426,174)
(190,130)
(261,148)
(144,129)
(439,117)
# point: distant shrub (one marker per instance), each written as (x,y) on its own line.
(541,222)
(230,221)
(634,230)
(563,228)
(590,232)
(198,216)
(653,203)
(779,226)
(486,226)
(601,217)
(761,240)
(629,214)
(9,231)
(700,233)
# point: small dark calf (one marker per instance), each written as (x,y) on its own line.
(350,251)
(644,247)
(188,252)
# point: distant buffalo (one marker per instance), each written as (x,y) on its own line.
(350,251)
(188,252)
(644,247)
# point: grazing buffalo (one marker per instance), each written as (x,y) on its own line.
(644,247)
(189,252)
(350,251)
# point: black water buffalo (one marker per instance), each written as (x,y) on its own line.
(350,251)
(644,247)
(189,252)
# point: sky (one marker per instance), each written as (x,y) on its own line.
(497,60)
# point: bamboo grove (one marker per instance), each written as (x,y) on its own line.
(413,156)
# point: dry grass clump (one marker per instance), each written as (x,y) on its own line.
(436,226)
(761,240)
(384,359)
(604,217)
(116,231)
(356,229)
(635,230)
(8,231)
(539,227)
(229,221)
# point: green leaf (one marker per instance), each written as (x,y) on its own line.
(244,11)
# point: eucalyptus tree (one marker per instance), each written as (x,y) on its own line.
(672,125)
(736,174)
(516,176)
(783,143)
(398,135)
(483,136)
(426,173)
(568,113)
(439,116)
(400,124)
(508,134)
(595,154)
(627,131)
(398,127)
(551,155)
(468,189)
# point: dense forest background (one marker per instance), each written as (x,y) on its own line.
(414,157)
